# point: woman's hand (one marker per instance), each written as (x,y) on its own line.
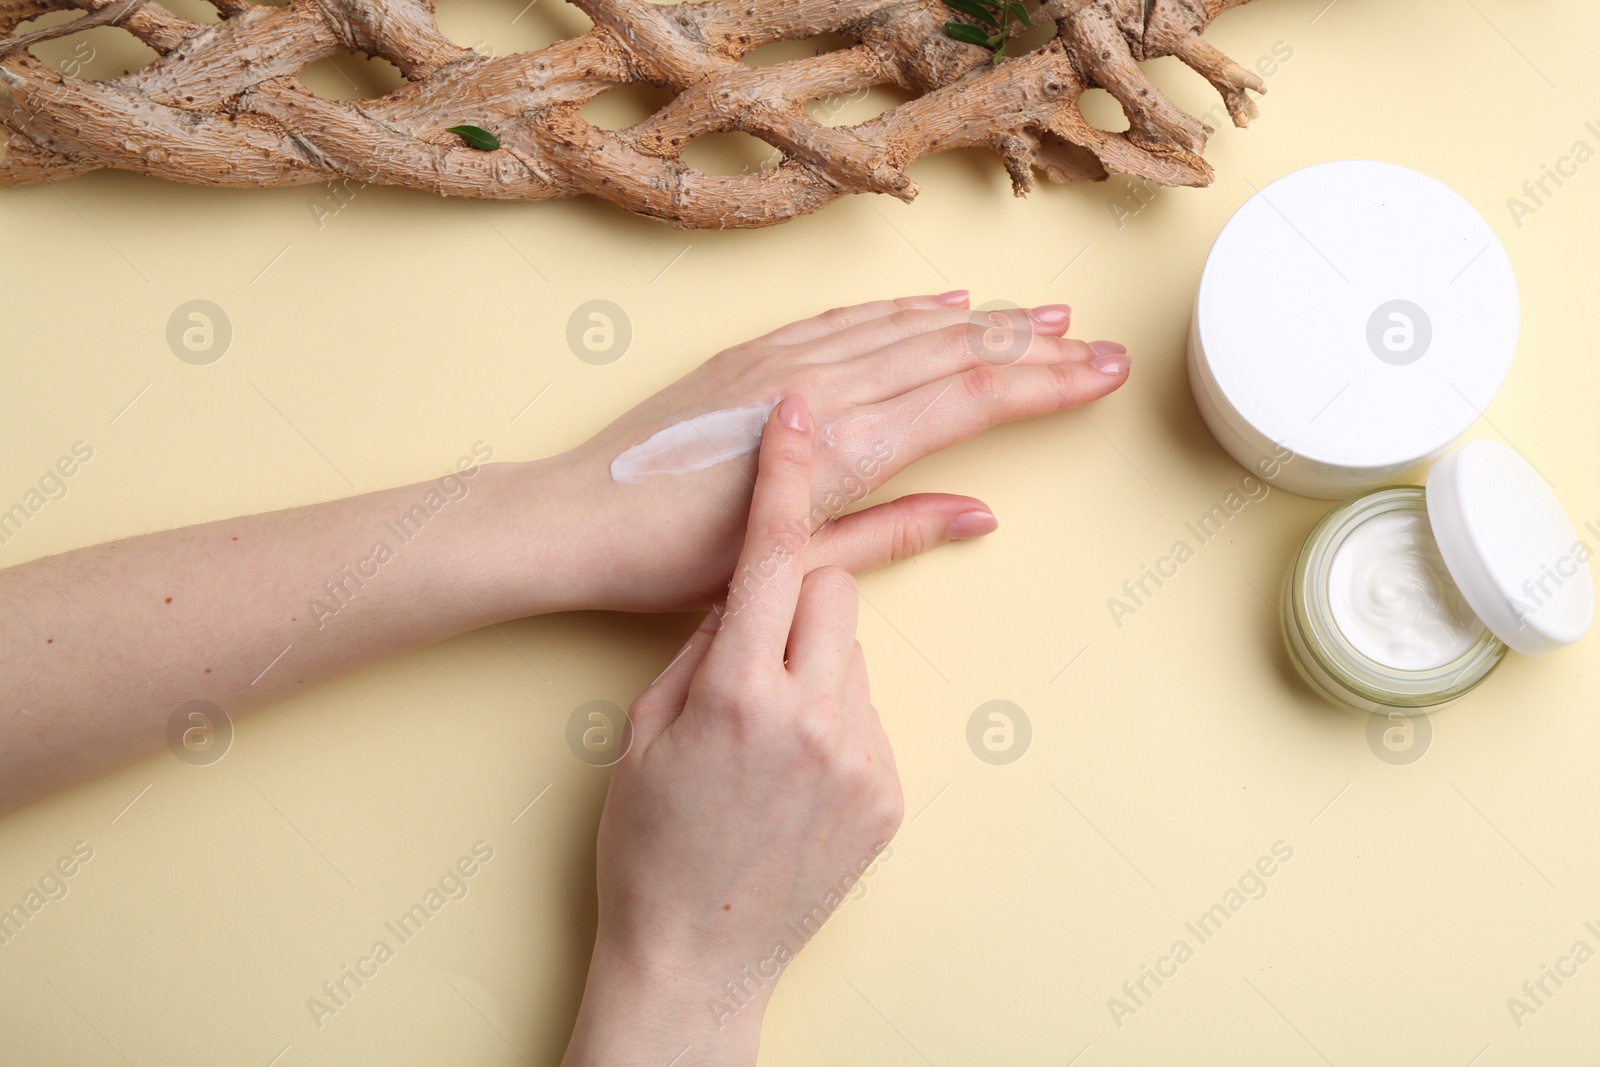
(888,382)
(759,786)
(239,612)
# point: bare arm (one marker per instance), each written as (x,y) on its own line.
(99,647)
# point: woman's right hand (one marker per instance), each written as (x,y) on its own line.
(758,788)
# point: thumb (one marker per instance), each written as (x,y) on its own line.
(900,529)
(659,706)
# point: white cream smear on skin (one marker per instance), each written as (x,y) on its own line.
(1392,597)
(694,444)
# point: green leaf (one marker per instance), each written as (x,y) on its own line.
(962,31)
(476,137)
(1020,12)
(975,9)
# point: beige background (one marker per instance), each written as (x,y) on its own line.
(1168,757)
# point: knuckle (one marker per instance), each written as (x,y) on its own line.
(906,320)
(887,812)
(1064,381)
(909,538)
(781,534)
(960,339)
(986,385)
(836,316)
(807,380)
(737,688)
(817,734)
(833,579)
(788,455)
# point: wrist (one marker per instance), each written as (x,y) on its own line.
(641,1011)
(522,551)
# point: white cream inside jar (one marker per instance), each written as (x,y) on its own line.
(1392,596)
(1372,618)
(1405,599)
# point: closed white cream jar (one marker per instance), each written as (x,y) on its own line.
(1404,599)
(1355,317)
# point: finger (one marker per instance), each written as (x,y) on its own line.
(766,582)
(1002,340)
(857,695)
(887,533)
(943,413)
(662,701)
(836,319)
(984,326)
(824,633)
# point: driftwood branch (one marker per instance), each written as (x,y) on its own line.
(106,16)
(223,105)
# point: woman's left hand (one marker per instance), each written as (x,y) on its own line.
(889,382)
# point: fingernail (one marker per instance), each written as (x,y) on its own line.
(954,298)
(794,413)
(970,524)
(1109,357)
(1051,314)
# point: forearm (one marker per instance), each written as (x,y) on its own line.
(100,646)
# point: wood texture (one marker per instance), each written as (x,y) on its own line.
(222,103)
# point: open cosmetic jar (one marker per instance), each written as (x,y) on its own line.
(1404,599)
(1353,319)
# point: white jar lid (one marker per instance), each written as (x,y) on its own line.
(1357,313)
(1510,548)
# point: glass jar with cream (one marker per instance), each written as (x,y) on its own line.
(1404,599)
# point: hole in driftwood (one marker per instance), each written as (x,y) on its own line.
(774,52)
(96,54)
(852,109)
(193,10)
(1040,33)
(730,153)
(1102,111)
(619,108)
(505,27)
(350,77)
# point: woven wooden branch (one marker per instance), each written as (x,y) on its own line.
(222,105)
